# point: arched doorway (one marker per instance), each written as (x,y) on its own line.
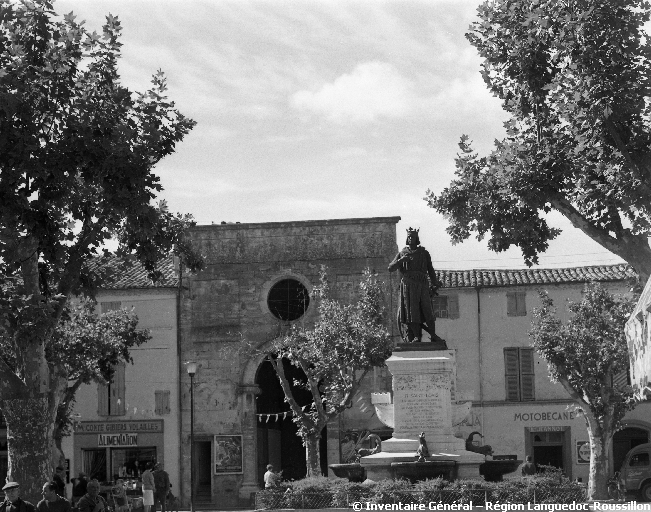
(278,442)
(624,440)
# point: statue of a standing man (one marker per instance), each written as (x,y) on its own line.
(415,264)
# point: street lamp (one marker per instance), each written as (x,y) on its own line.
(191,368)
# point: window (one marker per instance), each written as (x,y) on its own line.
(446,306)
(110,306)
(516,304)
(640,459)
(110,397)
(288,300)
(162,400)
(519,374)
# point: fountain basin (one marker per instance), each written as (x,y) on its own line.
(353,472)
(417,471)
(494,470)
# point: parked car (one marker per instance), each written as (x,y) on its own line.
(636,471)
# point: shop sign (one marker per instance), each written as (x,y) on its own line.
(544,416)
(104,440)
(583,452)
(548,428)
(120,427)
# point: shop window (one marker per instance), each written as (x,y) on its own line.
(641,459)
(288,300)
(110,396)
(516,303)
(130,463)
(519,374)
(162,402)
(105,307)
(446,306)
(94,464)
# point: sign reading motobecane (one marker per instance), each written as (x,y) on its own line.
(104,440)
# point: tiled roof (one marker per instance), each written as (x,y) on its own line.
(135,276)
(491,278)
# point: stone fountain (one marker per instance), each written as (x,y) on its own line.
(423,401)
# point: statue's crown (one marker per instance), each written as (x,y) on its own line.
(412,230)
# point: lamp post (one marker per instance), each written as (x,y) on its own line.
(192,369)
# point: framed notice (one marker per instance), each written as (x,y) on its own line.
(228,455)
(583,452)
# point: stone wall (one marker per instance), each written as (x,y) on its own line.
(224,309)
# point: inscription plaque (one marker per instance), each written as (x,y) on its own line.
(422,402)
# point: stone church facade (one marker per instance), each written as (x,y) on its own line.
(256,283)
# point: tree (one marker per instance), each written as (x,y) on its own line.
(77,150)
(89,346)
(574,75)
(345,343)
(584,355)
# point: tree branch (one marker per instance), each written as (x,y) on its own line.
(284,383)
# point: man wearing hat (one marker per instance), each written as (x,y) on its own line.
(13,502)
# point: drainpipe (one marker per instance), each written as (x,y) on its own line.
(180,374)
(481,364)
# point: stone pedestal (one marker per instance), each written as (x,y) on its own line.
(424,383)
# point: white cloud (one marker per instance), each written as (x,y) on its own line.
(372,90)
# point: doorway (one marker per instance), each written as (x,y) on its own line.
(549,447)
(624,440)
(278,442)
(203,471)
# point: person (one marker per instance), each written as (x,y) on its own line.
(415,264)
(52,502)
(148,486)
(120,496)
(79,487)
(161,486)
(270,478)
(59,478)
(13,502)
(528,468)
(92,501)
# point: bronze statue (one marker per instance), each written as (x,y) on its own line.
(415,309)
(487,449)
(423,451)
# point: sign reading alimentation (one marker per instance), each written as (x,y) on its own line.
(120,427)
(104,440)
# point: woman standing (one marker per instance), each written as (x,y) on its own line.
(147,487)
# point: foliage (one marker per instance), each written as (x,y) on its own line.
(338,493)
(585,353)
(89,346)
(574,78)
(335,355)
(77,151)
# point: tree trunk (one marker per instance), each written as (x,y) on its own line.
(312,455)
(29,437)
(600,440)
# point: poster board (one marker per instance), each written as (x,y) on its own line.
(228,454)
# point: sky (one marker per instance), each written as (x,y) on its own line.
(321,109)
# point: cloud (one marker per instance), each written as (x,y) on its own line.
(372,90)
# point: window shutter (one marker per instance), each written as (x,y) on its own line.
(453,306)
(512,374)
(521,303)
(162,400)
(110,306)
(527,374)
(120,389)
(102,399)
(511,306)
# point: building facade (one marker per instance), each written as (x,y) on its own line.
(135,418)
(258,281)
